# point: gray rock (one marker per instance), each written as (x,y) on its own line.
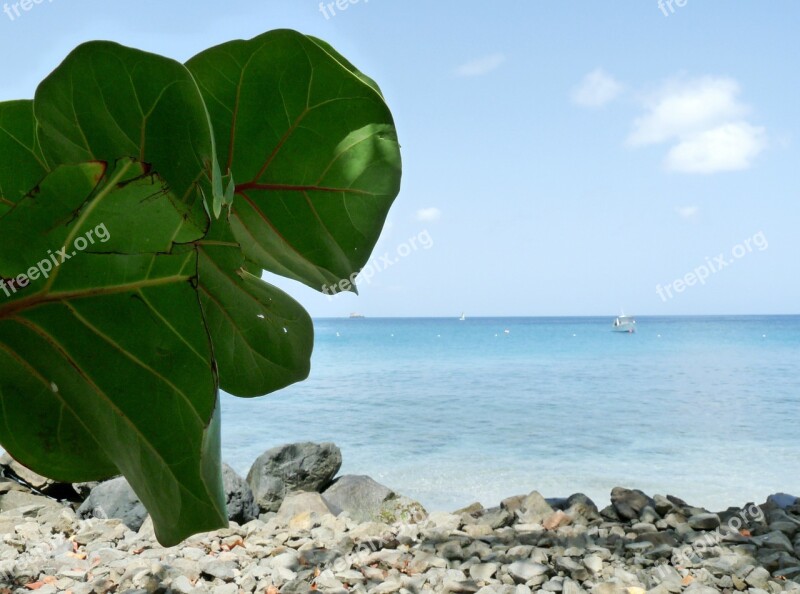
(403,510)
(522,571)
(789,573)
(294,467)
(239,497)
(483,572)
(580,498)
(593,563)
(783,500)
(664,506)
(534,509)
(774,540)
(359,496)
(758,578)
(181,585)
(114,499)
(512,504)
(295,504)
(222,570)
(497,517)
(22,499)
(629,503)
(704,521)
(698,588)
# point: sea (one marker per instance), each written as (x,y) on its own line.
(451,412)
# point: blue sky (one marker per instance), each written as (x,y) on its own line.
(559,158)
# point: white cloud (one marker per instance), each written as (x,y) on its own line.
(688,212)
(705,120)
(687,107)
(427,215)
(596,89)
(729,147)
(481,66)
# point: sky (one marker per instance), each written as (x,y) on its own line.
(560,158)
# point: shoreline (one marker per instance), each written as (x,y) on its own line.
(355,535)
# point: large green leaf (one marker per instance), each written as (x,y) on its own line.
(262,337)
(109,349)
(120,301)
(106,101)
(21,164)
(312,147)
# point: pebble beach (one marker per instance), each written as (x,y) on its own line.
(349,534)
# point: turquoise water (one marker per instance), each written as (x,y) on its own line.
(453,412)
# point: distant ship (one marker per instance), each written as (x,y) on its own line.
(463,317)
(624,323)
(356,316)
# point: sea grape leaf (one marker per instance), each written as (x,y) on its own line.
(262,337)
(121,298)
(110,349)
(22,164)
(106,101)
(313,149)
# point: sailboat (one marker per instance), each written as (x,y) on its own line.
(463,317)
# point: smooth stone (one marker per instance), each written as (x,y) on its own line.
(241,504)
(522,571)
(402,510)
(758,578)
(115,498)
(629,503)
(774,540)
(783,500)
(483,572)
(497,517)
(705,521)
(444,521)
(297,504)
(293,467)
(360,496)
(534,509)
(593,563)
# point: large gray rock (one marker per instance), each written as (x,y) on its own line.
(300,503)
(294,467)
(581,509)
(783,500)
(629,503)
(359,496)
(241,504)
(366,500)
(534,509)
(114,499)
(704,521)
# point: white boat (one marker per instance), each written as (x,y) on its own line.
(463,317)
(356,316)
(624,323)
